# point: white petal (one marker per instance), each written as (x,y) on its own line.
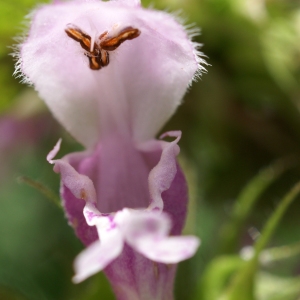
(147,233)
(136,93)
(130,2)
(92,214)
(136,224)
(98,255)
(169,250)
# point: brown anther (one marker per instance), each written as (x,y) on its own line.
(104,58)
(112,43)
(102,35)
(99,56)
(76,34)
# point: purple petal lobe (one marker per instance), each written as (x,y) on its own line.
(73,210)
(175,202)
(76,189)
(81,186)
(162,175)
(53,152)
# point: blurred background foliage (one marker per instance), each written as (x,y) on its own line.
(240,150)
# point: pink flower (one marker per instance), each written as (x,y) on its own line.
(113,73)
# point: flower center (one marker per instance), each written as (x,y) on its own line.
(98,53)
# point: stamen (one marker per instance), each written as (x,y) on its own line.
(79,36)
(113,43)
(98,53)
(94,61)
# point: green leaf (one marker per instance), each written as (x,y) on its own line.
(8,294)
(275,254)
(17,284)
(279,49)
(270,287)
(12,14)
(246,200)
(97,288)
(243,283)
(217,275)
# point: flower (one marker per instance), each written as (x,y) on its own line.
(112,73)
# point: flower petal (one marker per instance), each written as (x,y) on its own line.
(91,214)
(169,250)
(131,269)
(98,255)
(175,202)
(129,272)
(53,152)
(94,176)
(129,2)
(120,175)
(81,185)
(137,224)
(135,277)
(162,175)
(136,93)
(73,209)
(76,190)
(146,232)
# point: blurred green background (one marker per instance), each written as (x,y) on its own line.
(239,118)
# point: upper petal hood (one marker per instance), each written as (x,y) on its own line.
(135,93)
